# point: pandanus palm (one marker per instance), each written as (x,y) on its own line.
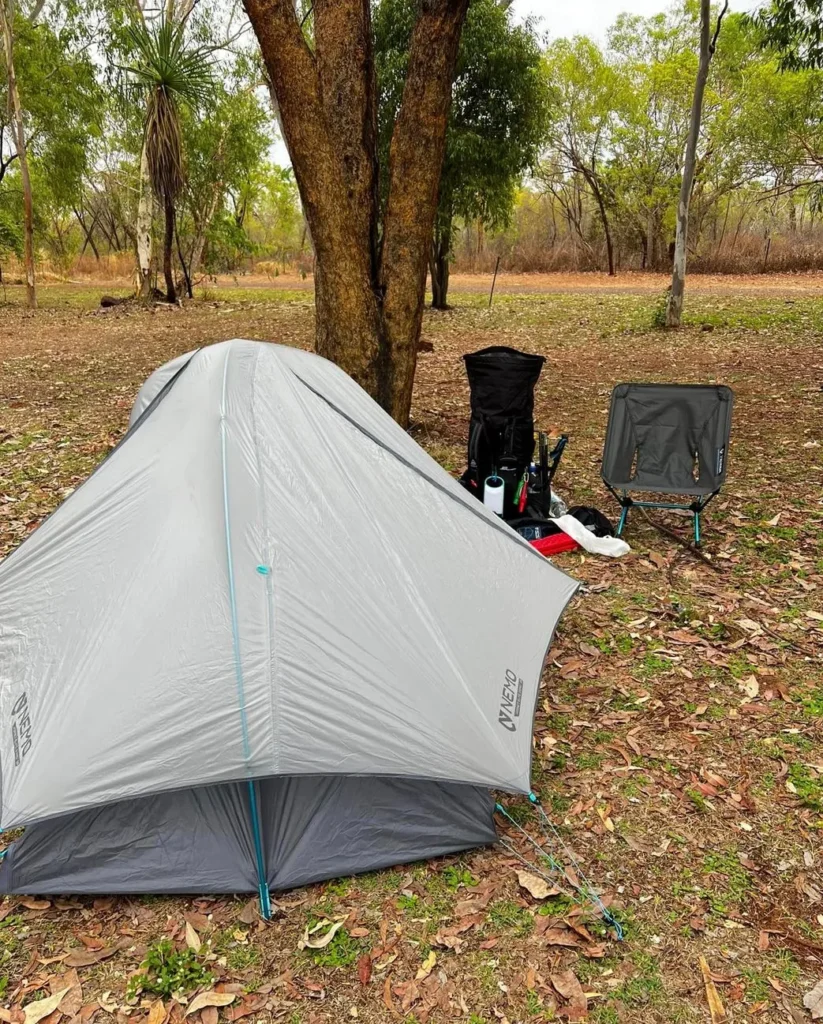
(167,72)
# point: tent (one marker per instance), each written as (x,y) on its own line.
(268,641)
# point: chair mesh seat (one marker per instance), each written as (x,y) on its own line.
(668,438)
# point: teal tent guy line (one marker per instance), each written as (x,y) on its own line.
(262,886)
(585,890)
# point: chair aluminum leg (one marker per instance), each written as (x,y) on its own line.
(697,529)
(623,515)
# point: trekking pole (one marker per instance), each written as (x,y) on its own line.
(491,293)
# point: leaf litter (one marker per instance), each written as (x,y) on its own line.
(677,735)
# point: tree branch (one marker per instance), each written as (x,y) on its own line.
(720,17)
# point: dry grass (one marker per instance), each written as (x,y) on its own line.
(678,740)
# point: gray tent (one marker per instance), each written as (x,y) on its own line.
(269,641)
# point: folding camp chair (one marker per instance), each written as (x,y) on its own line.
(667,439)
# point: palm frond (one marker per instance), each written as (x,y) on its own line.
(166,71)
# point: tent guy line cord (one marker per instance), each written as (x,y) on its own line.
(584,887)
(263,889)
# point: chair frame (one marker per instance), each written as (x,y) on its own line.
(695,507)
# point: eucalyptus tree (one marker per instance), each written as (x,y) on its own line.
(370,274)
(707,47)
(46,133)
(584,95)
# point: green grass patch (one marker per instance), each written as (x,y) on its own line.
(456,875)
(508,916)
(167,970)
(808,785)
(731,882)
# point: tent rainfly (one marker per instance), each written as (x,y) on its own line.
(269,641)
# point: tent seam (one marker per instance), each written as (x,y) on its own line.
(507,531)
(268,553)
(238,663)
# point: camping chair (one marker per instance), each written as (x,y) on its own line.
(667,439)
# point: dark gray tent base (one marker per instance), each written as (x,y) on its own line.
(201,840)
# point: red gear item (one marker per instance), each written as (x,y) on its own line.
(554,544)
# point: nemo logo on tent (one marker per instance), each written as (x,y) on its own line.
(21,728)
(510,701)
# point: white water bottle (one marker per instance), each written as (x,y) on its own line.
(493,490)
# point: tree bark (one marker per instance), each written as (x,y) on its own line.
(369,284)
(145,207)
(168,243)
(708,43)
(7,14)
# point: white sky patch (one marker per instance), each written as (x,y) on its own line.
(561,18)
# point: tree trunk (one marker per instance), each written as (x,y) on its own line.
(87,232)
(589,174)
(674,306)
(145,207)
(594,185)
(168,242)
(439,269)
(187,277)
(369,283)
(7,14)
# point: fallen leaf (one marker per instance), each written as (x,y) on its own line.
(712,997)
(87,957)
(157,1013)
(535,885)
(358,933)
(813,1001)
(567,985)
(560,937)
(249,913)
(72,1002)
(387,999)
(209,998)
(30,904)
(309,943)
(210,1015)
(657,559)
(198,921)
(408,994)
(364,969)
(750,686)
(427,966)
(192,938)
(243,1009)
(41,1008)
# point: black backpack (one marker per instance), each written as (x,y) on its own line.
(501,431)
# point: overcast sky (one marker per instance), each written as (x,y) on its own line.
(582,17)
(592,17)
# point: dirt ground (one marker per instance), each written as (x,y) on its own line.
(678,741)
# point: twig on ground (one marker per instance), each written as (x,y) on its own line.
(691,548)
